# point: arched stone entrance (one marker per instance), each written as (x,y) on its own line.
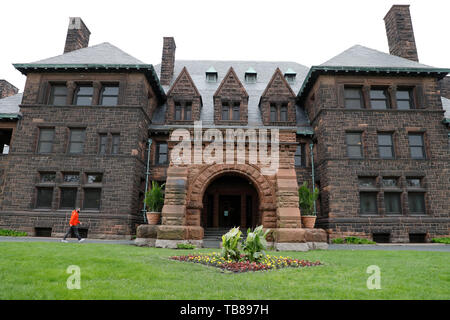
(230,200)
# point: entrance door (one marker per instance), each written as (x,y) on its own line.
(229,211)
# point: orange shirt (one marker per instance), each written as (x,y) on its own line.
(74,218)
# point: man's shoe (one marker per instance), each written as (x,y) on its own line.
(81,240)
(65,241)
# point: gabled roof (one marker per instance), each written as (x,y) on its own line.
(9,106)
(224,83)
(360,59)
(97,58)
(278,74)
(185,73)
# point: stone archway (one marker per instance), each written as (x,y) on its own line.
(264,188)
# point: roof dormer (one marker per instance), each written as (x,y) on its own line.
(290,76)
(250,75)
(211,75)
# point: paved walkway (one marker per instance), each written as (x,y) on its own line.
(384,246)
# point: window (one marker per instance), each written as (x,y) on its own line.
(416,202)
(390,182)
(71,178)
(183,111)
(236,111)
(211,77)
(161,153)
(385,145)
(353,98)
(250,77)
(76,143)
(115,143)
(379,99)
(367,182)
(300,156)
(278,112)
(58,95)
(68,198)
(283,112)
(273,112)
(368,202)
(416,145)
(188,111)
(414,183)
(405,99)
(103,137)
(354,145)
(392,202)
(46,177)
(44,198)
(94,178)
(109,96)
(177,111)
(45,140)
(225,111)
(92,198)
(83,95)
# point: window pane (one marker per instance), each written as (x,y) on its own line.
(163,148)
(94,178)
(73,178)
(385,139)
(46,134)
(92,198)
(273,113)
(299,156)
(45,140)
(77,135)
(283,113)
(76,147)
(392,203)
(352,93)
(416,203)
(110,91)
(44,197)
(236,115)
(59,90)
(353,138)
(390,182)
(59,100)
(68,198)
(403,104)
(379,104)
(413,182)
(415,139)
(45,147)
(353,103)
(386,152)
(177,112)
(187,112)
(403,94)
(367,182)
(103,142)
(48,177)
(225,112)
(368,202)
(417,153)
(354,152)
(378,94)
(109,101)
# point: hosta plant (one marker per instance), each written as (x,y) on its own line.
(231,244)
(255,244)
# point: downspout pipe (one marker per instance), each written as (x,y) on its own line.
(147,174)
(311,145)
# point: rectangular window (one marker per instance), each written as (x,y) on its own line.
(161,153)
(353,98)
(379,99)
(368,202)
(71,178)
(115,143)
(392,202)
(385,146)
(283,112)
(83,95)
(273,112)
(300,156)
(77,137)
(416,145)
(177,111)
(109,95)
(367,182)
(94,178)
(405,99)
(45,140)
(414,183)
(68,198)
(47,177)
(225,111)
(236,111)
(354,145)
(390,182)
(103,137)
(188,111)
(58,95)
(416,202)
(92,198)
(44,198)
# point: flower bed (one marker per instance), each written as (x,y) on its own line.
(267,263)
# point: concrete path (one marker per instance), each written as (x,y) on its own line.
(385,246)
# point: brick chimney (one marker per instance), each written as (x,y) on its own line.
(168,60)
(7,89)
(77,35)
(400,34)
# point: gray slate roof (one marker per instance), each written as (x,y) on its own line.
(9,106)
(360,56)
(265,71)
(103,53)
(446,106)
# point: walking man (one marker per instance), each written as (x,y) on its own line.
(74,222)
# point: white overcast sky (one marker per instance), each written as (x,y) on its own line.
(307,32)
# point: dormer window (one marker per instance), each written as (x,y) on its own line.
(278,112)
(290,75)
(250,75)
(211,75)
(183,111)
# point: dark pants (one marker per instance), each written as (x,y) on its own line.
(75,230)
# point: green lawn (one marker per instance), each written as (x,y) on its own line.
(37,270)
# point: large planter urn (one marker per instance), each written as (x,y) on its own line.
(153,217)
(308,221)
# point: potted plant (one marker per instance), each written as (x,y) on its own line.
(306,199)
(154,200)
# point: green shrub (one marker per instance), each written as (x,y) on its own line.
(154,198)
(12,233)
(231,246)
(338,241)
(441,240)
(356,240)
(306,199)
(255,245)
(185,246)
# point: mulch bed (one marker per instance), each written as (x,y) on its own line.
(267,263)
